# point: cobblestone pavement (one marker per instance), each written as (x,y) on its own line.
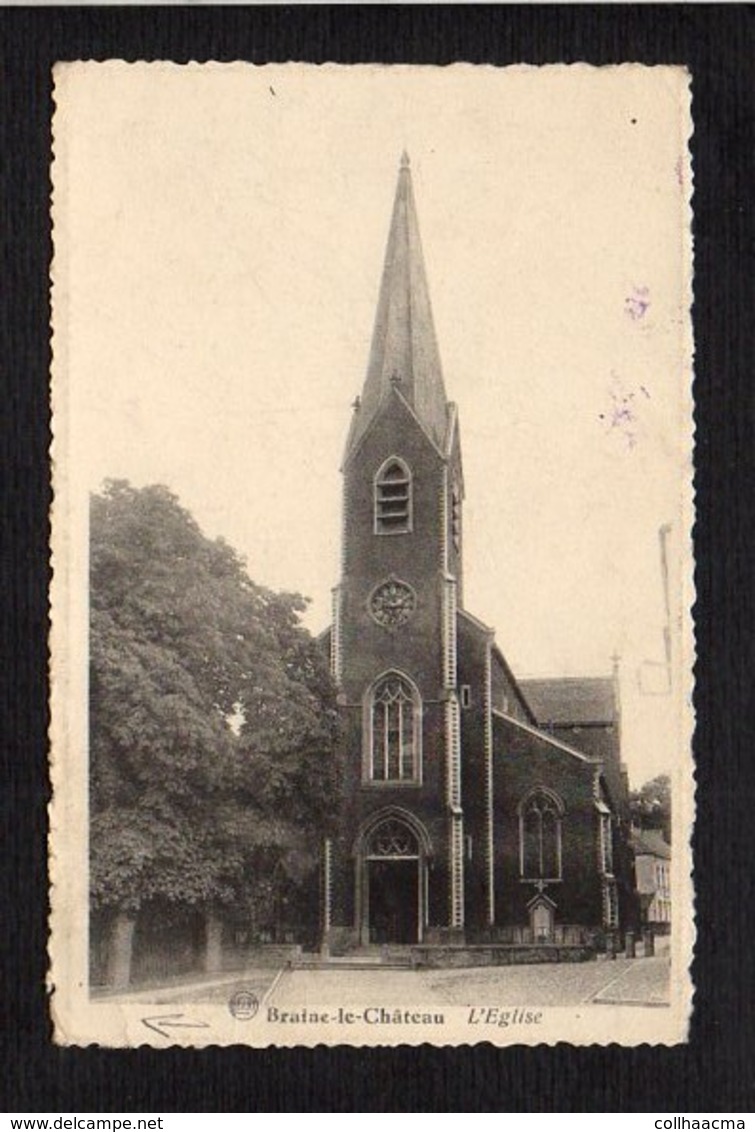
(639,981)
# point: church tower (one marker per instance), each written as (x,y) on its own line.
(475,807)
(396,873)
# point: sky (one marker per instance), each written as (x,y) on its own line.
(219,237)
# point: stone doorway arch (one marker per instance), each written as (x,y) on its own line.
(391,879)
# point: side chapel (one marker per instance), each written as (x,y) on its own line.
(476,806)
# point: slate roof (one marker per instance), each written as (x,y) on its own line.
(404,348)
(650,841)
(571,700)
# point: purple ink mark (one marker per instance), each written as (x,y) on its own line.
(637,303)
(679,171)
(621,416)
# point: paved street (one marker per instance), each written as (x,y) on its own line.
(627,981)
(602,982)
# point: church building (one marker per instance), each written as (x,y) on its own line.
(476,807)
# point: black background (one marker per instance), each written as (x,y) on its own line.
(714,1072)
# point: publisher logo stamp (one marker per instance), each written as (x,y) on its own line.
(243,1005)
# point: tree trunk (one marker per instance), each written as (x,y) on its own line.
(120,950)
(213,955)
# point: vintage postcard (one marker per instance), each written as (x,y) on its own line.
(371,634)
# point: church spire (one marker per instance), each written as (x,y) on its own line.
(404,352)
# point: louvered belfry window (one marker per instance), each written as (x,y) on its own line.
(393,498)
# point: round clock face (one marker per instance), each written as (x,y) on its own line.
(392,603)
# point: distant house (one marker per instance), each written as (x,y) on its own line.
(652,856)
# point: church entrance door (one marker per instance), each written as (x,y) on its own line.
(392,885)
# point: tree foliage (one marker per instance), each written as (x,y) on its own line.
(212,716)
(650,806)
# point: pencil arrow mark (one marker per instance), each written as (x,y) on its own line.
(172,1020)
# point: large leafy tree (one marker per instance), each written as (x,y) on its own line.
(212,720)
(650,806)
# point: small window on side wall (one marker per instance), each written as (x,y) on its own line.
(393,498)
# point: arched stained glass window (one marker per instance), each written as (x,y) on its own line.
(393,498)
(540,836)
(394,730)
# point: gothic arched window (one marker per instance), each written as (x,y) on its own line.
(394,730)
(540,816)
(392,838)
(393,498)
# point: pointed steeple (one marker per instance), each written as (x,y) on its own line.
(404,352)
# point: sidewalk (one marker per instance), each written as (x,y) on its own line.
(198,988)
(643,983)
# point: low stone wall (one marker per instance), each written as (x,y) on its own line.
(563,935)
(261,955)
(341,940)
(497,955)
